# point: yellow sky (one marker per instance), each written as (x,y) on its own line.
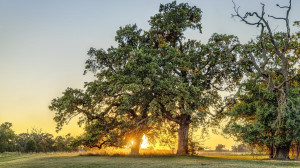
(26,107)
(47,125)
(215,139)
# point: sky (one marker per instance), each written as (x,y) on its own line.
(44,44)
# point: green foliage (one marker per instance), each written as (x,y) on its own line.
(64,143)
(240,148)
(266,112)
(36,141)
(44,141)
(173,19)
(21,140)
(31,146)
(150,77)
(253,118)
(7,137)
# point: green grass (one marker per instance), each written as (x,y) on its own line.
(75,160)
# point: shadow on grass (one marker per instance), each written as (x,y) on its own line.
(119,160)
(206,157)
(151,156)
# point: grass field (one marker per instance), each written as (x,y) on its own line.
(75,160)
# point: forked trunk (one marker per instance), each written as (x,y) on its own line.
(183,134)
(137,141)
(282,152)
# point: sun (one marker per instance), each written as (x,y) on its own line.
(145,142)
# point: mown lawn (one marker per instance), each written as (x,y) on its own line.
(74,160)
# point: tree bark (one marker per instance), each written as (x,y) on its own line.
(271,151)
(137,141)
(282,152)
(183,134)
(297,151)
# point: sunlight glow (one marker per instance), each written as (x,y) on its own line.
(145,142)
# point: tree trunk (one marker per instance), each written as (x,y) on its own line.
(271,151)
(282,152)
(137,141)
(183,135)
(297,151)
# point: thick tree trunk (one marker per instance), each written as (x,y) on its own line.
(297,151)
(183,134)
(282,152)
(137,141)
(271,151)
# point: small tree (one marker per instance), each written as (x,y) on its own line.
(220,147)
(7,137)
(234,148)
(21,141)
(64,143)
(31,146)
(44,141)
(240,148)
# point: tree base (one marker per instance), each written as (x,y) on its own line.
(183,134)
(134,153)
(282,153)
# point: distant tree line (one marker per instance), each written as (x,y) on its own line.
(35,141)
(220,147)
(241,148)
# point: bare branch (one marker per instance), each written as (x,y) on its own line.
(70,118)
(109,108)
(282,83)
(243,18)
(252,59)
(211,114)
(263,46)
(276,17)
(264,23)
(288,31)
(101,144)
(286,19)
(234,96)
(169,117)
(167,114)
(229,104)
(141,122)
(282,6)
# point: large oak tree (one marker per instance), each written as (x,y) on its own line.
(150,77)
